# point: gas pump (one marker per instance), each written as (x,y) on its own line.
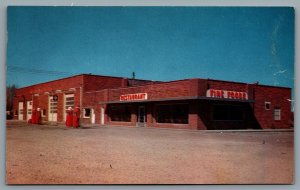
(69,119)
(33,116)
(76,117)
(38,116)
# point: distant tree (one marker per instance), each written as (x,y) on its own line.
(10,94)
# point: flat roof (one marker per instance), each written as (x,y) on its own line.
(73,76)
(153,82)
(50,81)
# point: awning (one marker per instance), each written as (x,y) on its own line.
(178,99)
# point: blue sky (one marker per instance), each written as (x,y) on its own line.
(157,43)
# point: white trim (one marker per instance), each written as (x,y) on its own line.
(20,107)
(85,111)
(52,116)
(102,116)
(28,109)
(277,114)
(65,108)
(266,105)
(93,116)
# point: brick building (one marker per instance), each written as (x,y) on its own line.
(187,104)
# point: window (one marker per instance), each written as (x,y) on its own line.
(69,102)
(86,112)
(52,105)
(44,113)
(120,113)
(228,112)
(277,114)
(174,113)
(267,105)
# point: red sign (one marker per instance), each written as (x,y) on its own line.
(226,94)
(138,96)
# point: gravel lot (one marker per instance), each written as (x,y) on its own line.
(121,155)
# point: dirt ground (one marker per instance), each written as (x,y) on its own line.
(122,155)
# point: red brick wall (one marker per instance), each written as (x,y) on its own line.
(278,98)
(92,100)
(41,101)
(174,89)
(15,107)
(198,87)
(224,85)
(261,94)
(62,84)
(231,86)
(169,125)
(138,82)
(94,92)
(194,119)
(94,82)
(202,87)
(21,98)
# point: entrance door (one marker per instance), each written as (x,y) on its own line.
(141,120)
(29,109)
(102,116)
(20,111)
(93,117)
(69,102)
(52,116)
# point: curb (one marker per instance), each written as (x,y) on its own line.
(96,126)
(201,131)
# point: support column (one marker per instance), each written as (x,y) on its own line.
(149,112)
(134,113)
(195,121)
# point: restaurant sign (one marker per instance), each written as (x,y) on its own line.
(131,97)
(213,93)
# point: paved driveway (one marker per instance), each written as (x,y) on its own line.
(118,155)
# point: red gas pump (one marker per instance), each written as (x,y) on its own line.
(33,116)
(38,116)
(69,119)
(76,117)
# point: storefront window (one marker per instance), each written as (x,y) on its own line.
(120,113)
(228,112)
(174,113)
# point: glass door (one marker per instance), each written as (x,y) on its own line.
(52,109)
(141,122)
